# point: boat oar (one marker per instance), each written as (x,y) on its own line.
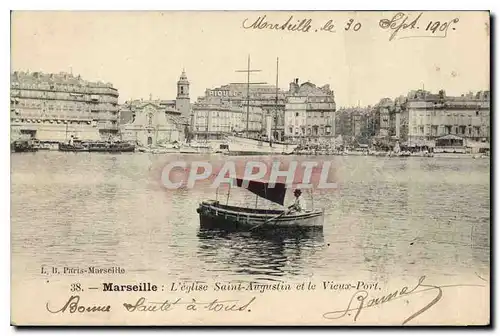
(270,219)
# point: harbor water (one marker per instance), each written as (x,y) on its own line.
(405,216)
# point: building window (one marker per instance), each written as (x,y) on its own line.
(296,114)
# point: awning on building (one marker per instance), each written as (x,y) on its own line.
(450,137)
(449,140)
(418,143)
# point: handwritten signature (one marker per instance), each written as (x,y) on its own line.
(360,300)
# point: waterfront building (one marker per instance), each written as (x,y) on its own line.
(428,116)
(212,121)
(153,124)
(384,110)
(224,110)
(304,113)
(181,104)
(295,118)
(310,113)
(53,107)
(421,118)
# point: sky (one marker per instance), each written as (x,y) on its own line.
(144,53)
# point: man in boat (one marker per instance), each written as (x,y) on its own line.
(298,205)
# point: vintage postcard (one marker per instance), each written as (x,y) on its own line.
(250,168)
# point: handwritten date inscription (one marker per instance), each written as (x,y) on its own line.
(400,26)
(305,25)
(411,25)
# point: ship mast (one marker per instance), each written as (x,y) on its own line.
(248,71)
(274,120)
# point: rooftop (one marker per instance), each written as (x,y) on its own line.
(63,78)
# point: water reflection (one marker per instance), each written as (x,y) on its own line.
(389,216)
(264,254)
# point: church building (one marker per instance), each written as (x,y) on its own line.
(155,122)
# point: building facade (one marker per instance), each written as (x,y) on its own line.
(429,116)
(295,118)
(304,113)
(52,107)
(310,112)
(214,120)
(226,110)
(153,124)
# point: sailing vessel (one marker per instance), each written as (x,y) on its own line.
(246,145)
(214,215)
(239,145)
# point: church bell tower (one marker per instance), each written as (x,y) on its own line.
(182,101)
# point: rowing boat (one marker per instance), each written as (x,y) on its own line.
(214,215)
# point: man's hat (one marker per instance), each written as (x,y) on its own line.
(297,192)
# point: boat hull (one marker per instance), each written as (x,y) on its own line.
(112,150)
(24,150)
(213,215)
(99,148)
(23,147)
(70,148)
(246,146)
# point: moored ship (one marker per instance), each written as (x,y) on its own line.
(248,146)
(20,146)
(96,146)
(265,145)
